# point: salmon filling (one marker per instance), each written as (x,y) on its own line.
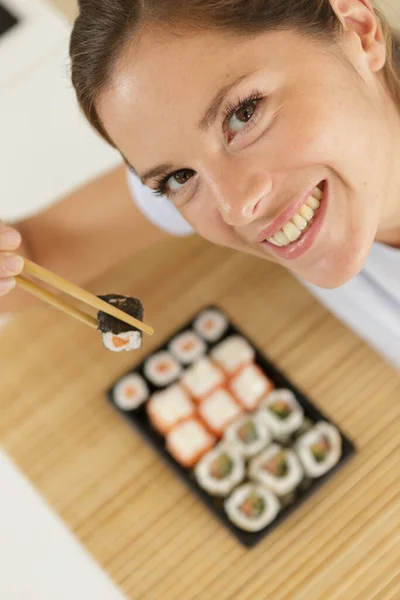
(247,433)
(222,466)
(277,465)
(253,506)
(281,409)
(321,449)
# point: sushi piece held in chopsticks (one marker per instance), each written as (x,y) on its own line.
(168,407)
(187,347)
(319,449)
(218,410)
(130,392)
(201,378)
(249,386)
(252,507)
(232,354)
(188,441)
(211,324)
(249,434)
(119,336)
(220,470)
(282,413)
(278,469)
(162,368)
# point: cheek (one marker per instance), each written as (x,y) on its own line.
(207,221)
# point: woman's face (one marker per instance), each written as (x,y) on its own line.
(275,145)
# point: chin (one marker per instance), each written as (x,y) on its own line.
(338,269)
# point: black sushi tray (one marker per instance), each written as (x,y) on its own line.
(139,420)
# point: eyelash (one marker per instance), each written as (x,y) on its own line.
(160,184)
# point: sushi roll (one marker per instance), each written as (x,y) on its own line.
(319,449)
(130,392)
(168,407)
(187,347)
(232,354)
(282,413)
(220,470)
(211,325)
(201,378)
(218,410)
(188,441)
(278,469)
(161,369)
(119,336)
(249,386)
(252,507)
(249,435)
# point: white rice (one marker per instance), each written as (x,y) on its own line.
(188,440)
(249,386)
(279,485)
(162,369)
(170,406)
(233,503)
(219,409)
(187,347)
(133,341)
(130,392)
(233,353)
(211,325)
(303,444)
(202,377)
(212,484)
(282,429)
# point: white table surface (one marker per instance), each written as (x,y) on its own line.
(46,149)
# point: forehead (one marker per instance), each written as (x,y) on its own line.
(163,84)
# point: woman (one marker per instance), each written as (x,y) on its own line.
(271,127)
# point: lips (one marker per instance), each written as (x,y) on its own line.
(295,231)
(292,222)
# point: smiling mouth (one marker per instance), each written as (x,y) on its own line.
(299,223)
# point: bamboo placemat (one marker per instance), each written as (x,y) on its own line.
(144,527)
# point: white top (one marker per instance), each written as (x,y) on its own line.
(40,558)
(369,304)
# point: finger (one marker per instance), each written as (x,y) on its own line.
(11,264)
(6,285)
(10,239)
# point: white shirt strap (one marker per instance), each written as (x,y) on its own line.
(158,209)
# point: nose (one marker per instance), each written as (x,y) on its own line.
(241,197)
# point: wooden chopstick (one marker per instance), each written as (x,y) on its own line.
(54,300)
(69,288)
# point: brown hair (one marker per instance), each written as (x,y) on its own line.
(104,28)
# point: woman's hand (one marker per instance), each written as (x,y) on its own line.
(10,263)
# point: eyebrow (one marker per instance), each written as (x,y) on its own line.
(213,109)
(205,124)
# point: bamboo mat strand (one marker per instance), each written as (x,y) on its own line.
(143,526)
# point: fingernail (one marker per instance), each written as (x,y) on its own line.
(10,239)
(13,264)
(7,285)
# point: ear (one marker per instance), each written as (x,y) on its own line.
(359,17)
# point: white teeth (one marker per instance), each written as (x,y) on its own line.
(299,222)
(317,193)
(282,238)
(293,229)
(313,203)
(273,241)
(292,232)
(306,212)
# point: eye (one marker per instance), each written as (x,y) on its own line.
(173,182)
(239,117)
(242,115)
